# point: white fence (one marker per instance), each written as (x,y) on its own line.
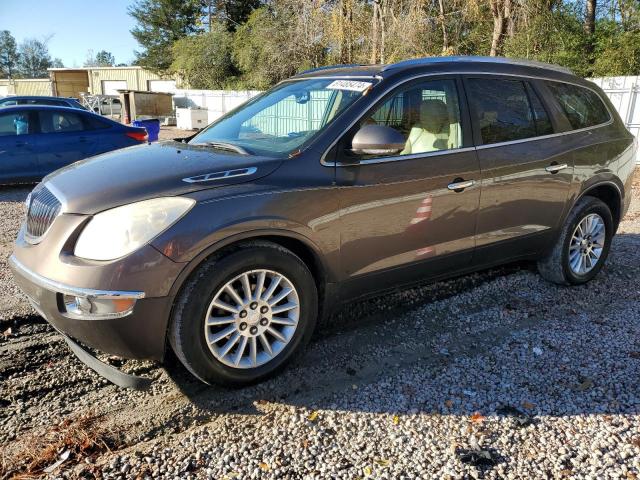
(623,93)
(216,102)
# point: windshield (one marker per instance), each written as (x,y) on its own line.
(284,118)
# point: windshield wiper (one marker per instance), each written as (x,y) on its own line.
(228,146)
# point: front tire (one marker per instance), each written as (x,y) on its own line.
(582,246)
(243,315)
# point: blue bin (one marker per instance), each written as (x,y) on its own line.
(152,126)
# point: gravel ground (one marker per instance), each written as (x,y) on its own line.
(492,375)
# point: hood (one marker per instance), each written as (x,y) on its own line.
(153,170)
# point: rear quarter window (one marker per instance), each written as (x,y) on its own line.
(94,122)
(582,107)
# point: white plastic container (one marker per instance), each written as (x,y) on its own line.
(191,118)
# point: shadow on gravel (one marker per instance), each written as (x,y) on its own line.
(357,316)
(516,349)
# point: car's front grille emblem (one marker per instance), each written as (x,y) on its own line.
(42,210)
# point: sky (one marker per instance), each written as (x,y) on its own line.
(75,26)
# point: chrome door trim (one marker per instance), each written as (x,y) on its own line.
(398,158)
(325,163)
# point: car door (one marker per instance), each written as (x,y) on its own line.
(527,170)
(18,147)
(411,214)
(67,137)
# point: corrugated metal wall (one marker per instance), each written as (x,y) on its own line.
(136,78)
(23,86)
(70,83)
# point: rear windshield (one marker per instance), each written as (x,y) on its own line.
(583,107)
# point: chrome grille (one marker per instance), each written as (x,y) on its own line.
(43,208)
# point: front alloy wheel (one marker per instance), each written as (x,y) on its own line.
(252,318)
(244,313)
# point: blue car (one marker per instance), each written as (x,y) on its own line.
(35,140)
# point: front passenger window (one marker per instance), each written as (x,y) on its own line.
(427,114)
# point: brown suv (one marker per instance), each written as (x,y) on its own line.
(337,183)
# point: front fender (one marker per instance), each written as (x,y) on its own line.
(307,216)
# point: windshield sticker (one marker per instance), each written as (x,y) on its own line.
(352,85)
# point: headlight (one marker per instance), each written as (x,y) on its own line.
(119,231)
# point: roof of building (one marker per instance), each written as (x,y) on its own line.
(62,69)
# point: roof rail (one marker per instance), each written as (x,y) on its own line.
(328,67)
(477,59)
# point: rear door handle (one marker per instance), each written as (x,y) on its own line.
(459,185)
(556,168)
(21,144)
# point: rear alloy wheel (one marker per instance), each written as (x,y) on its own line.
(243,314)
(583,244)
(587,244)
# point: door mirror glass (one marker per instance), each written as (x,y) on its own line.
(377,140)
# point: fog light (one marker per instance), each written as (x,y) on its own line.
(92,308)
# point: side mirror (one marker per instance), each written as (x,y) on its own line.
(377,140)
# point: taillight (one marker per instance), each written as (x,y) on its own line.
(139,136)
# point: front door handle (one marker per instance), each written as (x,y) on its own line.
(459,184)
(555,168)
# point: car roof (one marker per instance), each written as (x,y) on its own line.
(37,97)
(451,64)
(43,107)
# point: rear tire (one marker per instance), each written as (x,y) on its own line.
(582,246)
(267,331)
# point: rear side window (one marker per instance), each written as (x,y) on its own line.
(14,123)
(60,122)
(583,107)
(94,122)
(507,110)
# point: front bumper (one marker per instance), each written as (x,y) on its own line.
(139,334)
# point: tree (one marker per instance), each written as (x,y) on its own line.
(105,59)
(100,59)
(280,40)
(232,13)
(501,10)
(161,23)
(204,60)
(8,54)
(34,58)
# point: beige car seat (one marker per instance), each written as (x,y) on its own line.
(432,132)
